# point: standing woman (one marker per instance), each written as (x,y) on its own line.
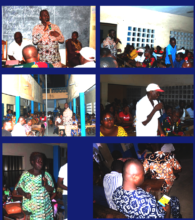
(36,198)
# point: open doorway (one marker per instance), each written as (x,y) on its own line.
(104,28)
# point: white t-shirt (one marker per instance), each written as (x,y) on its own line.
(140,58)
(167,148)
(143,109)
(63,173)
(111,182)
(88,64)
(19,130)
(190,112)
(16,51)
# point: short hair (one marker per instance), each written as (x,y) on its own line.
(107,62)
(34,156)
(148,51)
(27,120)
(177,110)
(43,11)
(75,32)
(117,165)
(104,52)
(168,107)
(181,55)
(25,54)
(132,160)
(111,31)
(172,39)
(158,47)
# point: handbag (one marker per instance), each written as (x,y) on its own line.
(14,208)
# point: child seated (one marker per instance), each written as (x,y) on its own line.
(179,60)
(134,202)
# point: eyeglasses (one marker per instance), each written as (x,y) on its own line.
(108,119)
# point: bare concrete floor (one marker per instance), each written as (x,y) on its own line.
(183,187)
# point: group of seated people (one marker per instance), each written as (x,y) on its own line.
(27,55)
(23,127)
(123,190)
(147,57)
(119,118)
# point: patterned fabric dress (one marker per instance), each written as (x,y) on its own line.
(121,132)
(39,204)
(161,166)
(47,45)
(141,204)
(111,45)
(170,129)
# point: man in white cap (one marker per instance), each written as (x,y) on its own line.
(87,58)
(147,112)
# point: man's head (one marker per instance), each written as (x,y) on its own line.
(87,54)
(133,172)
(108,62)
(158,48)
(44,16)
(148,53)
(22,120)
(30,54)
(153,90)
(131,48)
(117,165)
(179,57)
(66,105)
(7,125)
(18,38)
(182,104)
(172,42)
(168,110)
(176,115)
(112,33)
(105,52)
(75,35)
(188,64)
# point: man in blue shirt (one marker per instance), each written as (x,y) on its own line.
(179,60)
(171,53)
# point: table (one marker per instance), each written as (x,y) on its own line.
(19,216)
(100,211)
(155,185)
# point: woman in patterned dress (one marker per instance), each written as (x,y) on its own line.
(46,36)
(36,198)
(108,128)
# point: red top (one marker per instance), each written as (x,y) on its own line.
(125,117)
(43,119)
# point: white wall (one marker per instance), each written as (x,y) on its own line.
(162,23)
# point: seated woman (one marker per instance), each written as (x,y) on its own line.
(132,53)
(171,125)
(125,117)
(75,123)
(35,185)
(108,128)
(149,61)
(28,129)
(73,46)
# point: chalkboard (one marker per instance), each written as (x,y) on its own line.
(25,18)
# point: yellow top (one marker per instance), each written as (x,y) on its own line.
(121,132)
(133,55)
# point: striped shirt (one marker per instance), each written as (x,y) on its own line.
(111,182)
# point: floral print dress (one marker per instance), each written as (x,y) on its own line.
(47,45)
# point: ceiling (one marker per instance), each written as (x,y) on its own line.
(177,10)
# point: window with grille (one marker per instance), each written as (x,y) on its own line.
(89,108)
(12,169)
(183,39)
(140,37)
(173,94)
(94,107)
